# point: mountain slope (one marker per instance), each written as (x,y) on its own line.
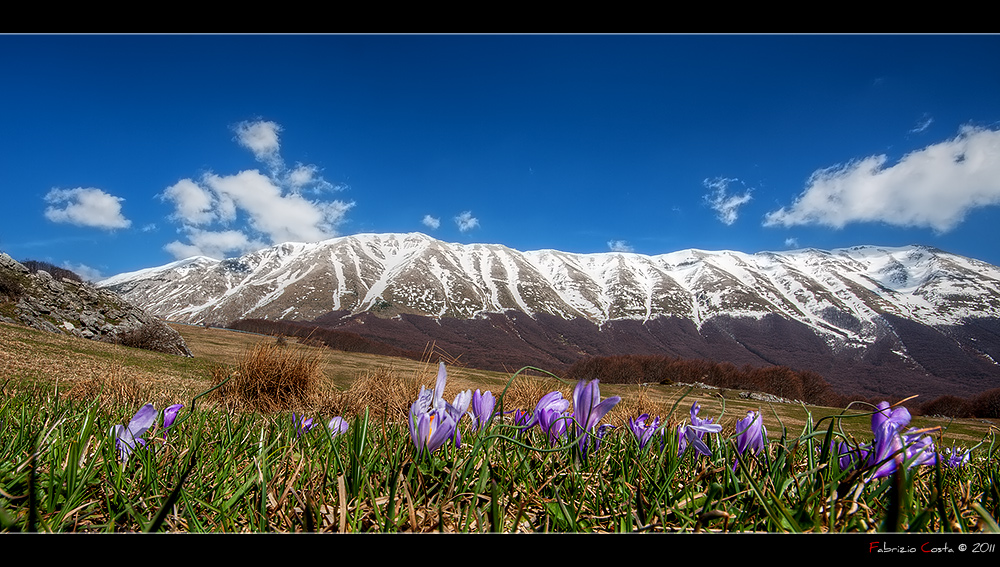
(839,292)
(873,305)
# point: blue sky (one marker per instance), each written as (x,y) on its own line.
(126,152)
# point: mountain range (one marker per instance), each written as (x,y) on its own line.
(868,317)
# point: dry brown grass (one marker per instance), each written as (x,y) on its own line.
(270,377)
(383,390)
(32,359)
(120,385)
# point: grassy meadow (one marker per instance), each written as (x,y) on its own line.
(250,451)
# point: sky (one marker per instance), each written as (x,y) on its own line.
(123,152)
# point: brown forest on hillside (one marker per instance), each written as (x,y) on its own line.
(312,334)
(780,381)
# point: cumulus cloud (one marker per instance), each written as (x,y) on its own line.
(466,221)
(933,187)
(192,203)
(726,206)
(270,207)
(431,222)
(619,246)
(282,216)
(792,242)
(86,207)
(261,138)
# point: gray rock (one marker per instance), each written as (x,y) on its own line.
(82,310)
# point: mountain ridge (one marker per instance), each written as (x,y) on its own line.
(422,275)
(900,309)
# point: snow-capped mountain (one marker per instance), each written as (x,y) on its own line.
(840,293)
(870,319)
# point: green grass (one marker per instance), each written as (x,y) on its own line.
(236,472)
(225,471)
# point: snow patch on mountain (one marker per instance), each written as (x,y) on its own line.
(842,294)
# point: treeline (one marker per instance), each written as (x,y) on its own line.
(985,405)
(805,386)
(318,336)
(55,271)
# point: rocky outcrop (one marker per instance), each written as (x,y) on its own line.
(76,308)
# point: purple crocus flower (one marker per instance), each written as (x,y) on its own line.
(522,419)
(482,408)
(750,435)
(919,448)
(302,424)
(457,409)
(643,432)
(893,448)
(433,420)
(589,410)
(954,458)
(553,423)
(126,438)
(850,457)
(693,434)
(169,415)
(337,426)
(429,429)
(553,401)
(601,432)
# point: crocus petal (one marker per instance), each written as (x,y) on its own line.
(601,409)
(170,414)
(441,431)
(554,401)
(442,378)
(143,420)
(461,404)
(482,408)
(337,426)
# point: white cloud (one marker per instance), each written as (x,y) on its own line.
(792,242)
(192,203)
(466,221)
(924,124)
(307,176)
(932,187)
(726,206)
(214,244)
(272,206)
(619,246)
(84,271)
(86,207)
(261,138)
(283,217)
(431,222)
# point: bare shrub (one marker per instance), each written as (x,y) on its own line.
(987,404)
(10,285)
(948,405)
(270,378)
